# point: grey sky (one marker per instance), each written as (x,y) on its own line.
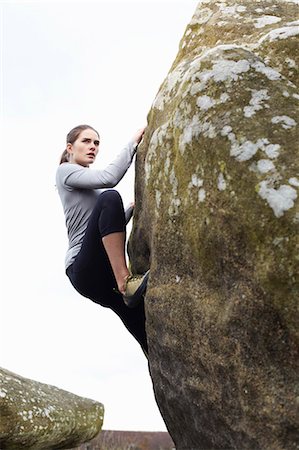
(66,63)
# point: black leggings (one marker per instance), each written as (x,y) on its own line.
(91,273)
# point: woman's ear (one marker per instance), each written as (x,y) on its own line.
(69,148)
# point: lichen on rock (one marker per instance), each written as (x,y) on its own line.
(37,416)
(217,209)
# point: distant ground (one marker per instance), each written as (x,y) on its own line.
(129,440)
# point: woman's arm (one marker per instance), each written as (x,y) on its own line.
(80,177)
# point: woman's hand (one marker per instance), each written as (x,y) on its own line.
(139,135)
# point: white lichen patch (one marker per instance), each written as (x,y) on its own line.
(167,165)
(174,182)
(271,150)
(222,23)
(208,130)
(245,150)
(226,130)
(233,10)
(175,202)
(196,181)
(205,102)
(280,34)
(265,165)
(280,200)
(222,70)
(201,195)
(296,219)
(263,21)
(189,131)
(192,129)
(221,183)
(270,73)
(224,97)
(290,62)
(255,103)
(158,199)
(285,121)
(159,139)
(46,412)
(294,181)
(173,209)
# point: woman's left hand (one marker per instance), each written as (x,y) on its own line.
(139,135)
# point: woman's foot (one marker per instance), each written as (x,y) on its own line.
(135,288)
(129,212)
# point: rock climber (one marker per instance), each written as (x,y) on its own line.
(96,221)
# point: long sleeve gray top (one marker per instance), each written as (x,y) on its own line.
(79,188)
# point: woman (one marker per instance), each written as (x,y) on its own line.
(96,223)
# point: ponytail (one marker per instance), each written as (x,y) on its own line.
(64,157)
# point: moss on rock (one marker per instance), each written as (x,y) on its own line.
(217,221)
(38,416)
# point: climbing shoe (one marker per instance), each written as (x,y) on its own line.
(135,289)
(129,213)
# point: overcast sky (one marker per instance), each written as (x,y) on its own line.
(63,64)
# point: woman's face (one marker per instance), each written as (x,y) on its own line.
(85,149)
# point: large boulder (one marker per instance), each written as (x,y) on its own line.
(216,220)
(38,416)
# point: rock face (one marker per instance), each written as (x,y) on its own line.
(216,220)
(38,416)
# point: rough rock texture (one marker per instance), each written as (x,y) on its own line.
(129,440)
(216,220)
(39,416)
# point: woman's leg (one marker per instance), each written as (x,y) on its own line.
(112,229)
(103,245)
(114,245)
(111,223)
(92,273)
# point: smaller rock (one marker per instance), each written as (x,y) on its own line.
(38,416)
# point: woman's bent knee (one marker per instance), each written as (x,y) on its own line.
(111,213)
(110,199)
(110,196)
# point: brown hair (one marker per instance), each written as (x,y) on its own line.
(71,137)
